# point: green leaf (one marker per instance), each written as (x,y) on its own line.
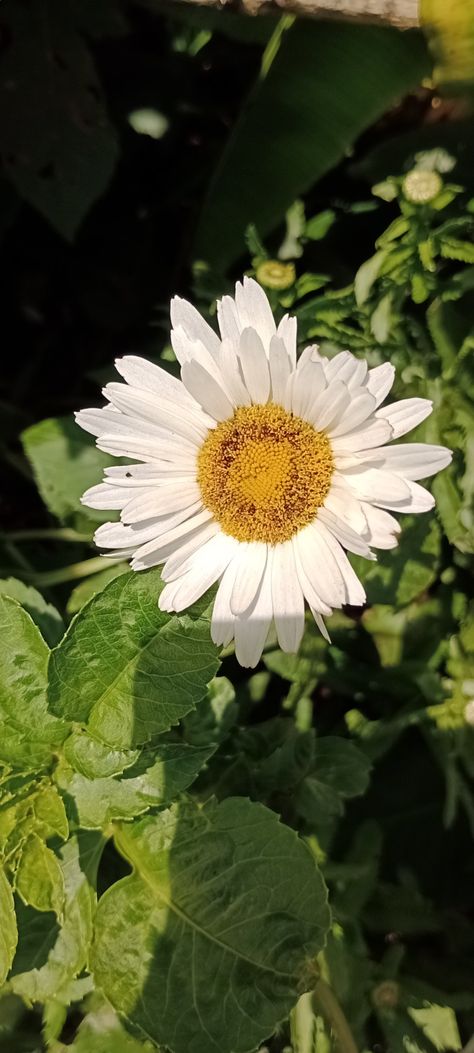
(304,116)
(157,777)
(102,1032)
(381,320)
(93,759)
(454,249)
(339,771)
(402,573)
(28,733)
(45,616)
(222,915)
(367,274)
(8,929)
(39,878)
(48,956)
(65,463)
(90,586)
(58,146)
(317,227)
(128,669)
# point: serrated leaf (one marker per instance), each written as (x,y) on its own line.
(223,913)
(128,669)
(8,928)
(59,148)
(339,770)
(158,776)
(93,759)
(454,249)
(45,616)
(28,732)
(401,574)
(49,956)
(381,320)
(65,463)
(367,274)
(88,588)
(39,879)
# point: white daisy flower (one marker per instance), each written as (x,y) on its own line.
(256,471)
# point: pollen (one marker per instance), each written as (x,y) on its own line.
(264,473)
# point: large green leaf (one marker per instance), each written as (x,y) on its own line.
(28,733)
(65,463)
(154,780)
(8,930)
(326,84)
(209,943)
(50,956)
(339,770)
(59,149)
(128,669)
(39,878)
(46,617)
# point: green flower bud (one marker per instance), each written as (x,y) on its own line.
(420,186)
(275,275)
(386,995)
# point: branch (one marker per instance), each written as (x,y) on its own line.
(401,13)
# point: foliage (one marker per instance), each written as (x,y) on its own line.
(191,857)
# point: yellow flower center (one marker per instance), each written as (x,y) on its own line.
(264,473)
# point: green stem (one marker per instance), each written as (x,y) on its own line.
(70,573)
(327,1006)
(49,534)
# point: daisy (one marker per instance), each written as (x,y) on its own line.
(256,470)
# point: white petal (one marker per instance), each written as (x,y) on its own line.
(308,384)
(222,624)
(140,448)
(206,391)
(140,373)
(286,331)
(309,591)
(380,381)
(280,369)
(377,486)
(177,553)
(171,539)
(251,560)
(231,372)
(251,629)
(194,425)
(185,315)
(406,414)
(342,502)
(137,475)
(254,310)
(344,533)
(320,624)
(105,496)
(382,527)
(165,500)
(320,567)
(228,321)
(287,596)
(420,500)
(254,363)
(117,535)
(354,591)
(329,406)
(361,405)
(416,460)
(348,368)
(198,573)
(371,434)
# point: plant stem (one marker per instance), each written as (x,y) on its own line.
(70,573)
(327,1005)
(49,534)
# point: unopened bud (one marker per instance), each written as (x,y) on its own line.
(420,186)
(386,995)
(275,275)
